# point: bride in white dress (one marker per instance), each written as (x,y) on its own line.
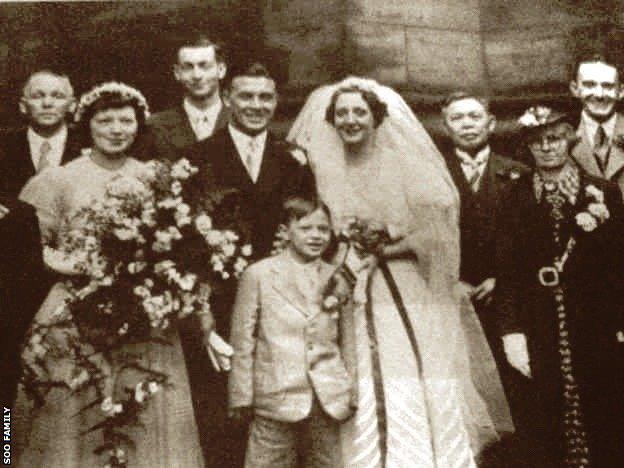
(429,392)
(52,435)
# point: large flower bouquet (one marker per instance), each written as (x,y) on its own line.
(142,258)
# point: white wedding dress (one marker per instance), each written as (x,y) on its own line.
(51,436)
(439,404)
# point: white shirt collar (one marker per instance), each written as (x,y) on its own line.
(242,141)
(57,146)
(478,160)
(202,121)
(591,126)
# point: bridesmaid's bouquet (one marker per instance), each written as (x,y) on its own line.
(144,257)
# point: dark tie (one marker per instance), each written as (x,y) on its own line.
(601,148)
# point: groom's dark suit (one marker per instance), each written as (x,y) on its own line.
(220,167)
(22,287)
(16,165)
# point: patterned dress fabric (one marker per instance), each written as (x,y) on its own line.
(51,436)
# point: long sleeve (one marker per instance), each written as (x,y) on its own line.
(507,290)
(244,322)
(301,180)
(24,285)
(615,253)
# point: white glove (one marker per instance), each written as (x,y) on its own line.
(219,351)
(515,346)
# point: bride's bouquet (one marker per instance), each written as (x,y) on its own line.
(367,237)
(142,258)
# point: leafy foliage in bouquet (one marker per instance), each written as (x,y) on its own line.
(146,256)
(365,236)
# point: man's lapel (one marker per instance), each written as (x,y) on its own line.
(493,170)
(457,173)
(23,160)
(285,284)
(498,172)
(73,147)
(222,119)
(583,153)
(179,130)
(233,165)
(269,168)
(616,155)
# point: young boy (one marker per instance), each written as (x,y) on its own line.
(288,373)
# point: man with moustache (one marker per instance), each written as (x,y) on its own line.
(264,171)
(600,150)
(47,100)
(199,68)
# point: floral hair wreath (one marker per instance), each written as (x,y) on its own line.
(537,116)
(110,87)
(365,84)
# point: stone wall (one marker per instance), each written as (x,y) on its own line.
(517,51)
(500,47)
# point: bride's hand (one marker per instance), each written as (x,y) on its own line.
(402,245)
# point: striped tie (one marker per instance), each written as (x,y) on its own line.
(601,148)
(44,151)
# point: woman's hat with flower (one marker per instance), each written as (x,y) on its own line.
(540,116)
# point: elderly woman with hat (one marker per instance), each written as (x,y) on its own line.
(560,254)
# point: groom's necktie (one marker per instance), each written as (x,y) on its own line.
(601,148)
(44,151)
(251,159)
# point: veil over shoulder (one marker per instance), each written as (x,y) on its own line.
(409,186)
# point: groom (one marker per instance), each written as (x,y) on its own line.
(264,171)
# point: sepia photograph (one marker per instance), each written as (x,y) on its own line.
(312,233)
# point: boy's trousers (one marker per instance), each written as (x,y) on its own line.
(310,443)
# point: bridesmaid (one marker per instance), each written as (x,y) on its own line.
(113,115)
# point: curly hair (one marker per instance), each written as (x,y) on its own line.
(378,108)
(111,100)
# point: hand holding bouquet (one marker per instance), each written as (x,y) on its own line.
(143,257)
(367,237)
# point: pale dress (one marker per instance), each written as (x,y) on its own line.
(50,436)
(438,407)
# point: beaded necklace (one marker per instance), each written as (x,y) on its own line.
(575,437)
